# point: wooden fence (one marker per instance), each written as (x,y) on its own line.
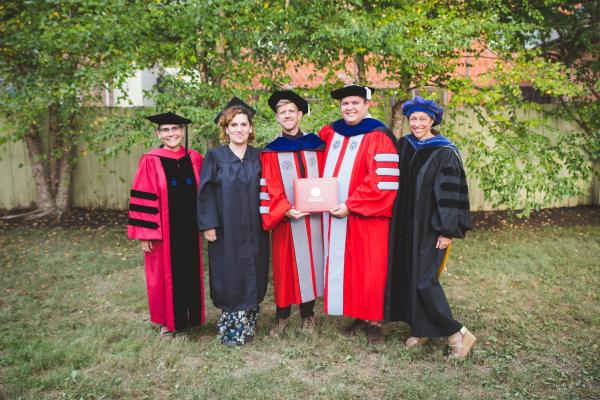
(100,186)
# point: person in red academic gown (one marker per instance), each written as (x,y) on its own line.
(297,240)
(361,152)
(162,216)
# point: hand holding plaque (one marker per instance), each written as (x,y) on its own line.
(315,194)
(292,213)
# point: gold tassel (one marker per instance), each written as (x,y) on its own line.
(445,260)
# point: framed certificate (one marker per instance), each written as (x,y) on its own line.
(315,194)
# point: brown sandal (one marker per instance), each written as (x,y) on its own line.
(308,325)
(461,351)
(278,327)
(413,341)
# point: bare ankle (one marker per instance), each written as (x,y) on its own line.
(455,338)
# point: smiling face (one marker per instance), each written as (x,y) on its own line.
(239,129)
(288,117)
(170,136)
(354,109)
(420,125)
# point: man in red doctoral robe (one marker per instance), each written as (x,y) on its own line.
(361,152)
(162,215)
(297,242)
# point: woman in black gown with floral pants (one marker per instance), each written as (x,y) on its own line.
(228,214)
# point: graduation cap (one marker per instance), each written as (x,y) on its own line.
(429,107)
(170,118)
(235,102)
(353,90)
(290,95)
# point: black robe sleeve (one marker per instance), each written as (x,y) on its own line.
(209,215)
(452,217)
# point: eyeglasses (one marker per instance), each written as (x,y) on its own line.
(171,129)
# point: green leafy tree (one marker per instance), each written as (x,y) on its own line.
(417,45)
(567,33)
(555,52)
(414,45)
(55,57)
(220,49)
(520,162)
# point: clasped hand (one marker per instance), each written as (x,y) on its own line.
(210,234)
(443,242)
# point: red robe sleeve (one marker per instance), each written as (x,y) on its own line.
(325,134)
(144,203)
(273,201)
(376,191)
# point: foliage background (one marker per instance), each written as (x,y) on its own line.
(56,57)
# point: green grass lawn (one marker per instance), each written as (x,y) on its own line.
(75,325)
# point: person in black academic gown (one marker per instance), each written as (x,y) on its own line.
(228,214)
(432,208)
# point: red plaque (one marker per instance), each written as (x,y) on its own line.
(315,194)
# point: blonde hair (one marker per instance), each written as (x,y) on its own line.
(284,102)
(227,116)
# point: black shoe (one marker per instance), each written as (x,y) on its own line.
(374,335)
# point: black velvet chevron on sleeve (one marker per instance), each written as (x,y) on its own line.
(452,217)
(142,223)
(143,195)
(144,209)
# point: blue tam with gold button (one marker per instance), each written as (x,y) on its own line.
(427,106)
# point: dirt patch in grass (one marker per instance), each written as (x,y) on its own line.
(568,216)
(77,218)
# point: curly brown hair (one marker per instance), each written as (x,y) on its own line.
(227,116)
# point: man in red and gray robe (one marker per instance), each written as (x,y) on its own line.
(361,152)
(297,241)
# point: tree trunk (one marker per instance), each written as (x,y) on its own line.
(397,123)
(45,200)
(65,168)
(202,66)
(64,184)
(220,45)
(54,143)
(397,119)
(53,178)
(361,73)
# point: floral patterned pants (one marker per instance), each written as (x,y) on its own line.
(237,326)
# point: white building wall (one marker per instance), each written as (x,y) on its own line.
(132,94)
